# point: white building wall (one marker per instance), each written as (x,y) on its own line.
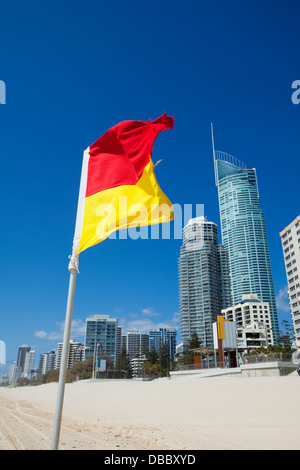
(290,239)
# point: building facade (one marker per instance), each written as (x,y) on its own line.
(47,363)
(162,336)
(136,343)
(76,353)
(22,351)
(251,311)
(244,233)
(101,336)
(290,239)
(29,364)
(204,285)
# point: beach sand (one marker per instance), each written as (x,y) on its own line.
(223,413)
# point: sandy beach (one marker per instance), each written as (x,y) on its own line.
(223,413)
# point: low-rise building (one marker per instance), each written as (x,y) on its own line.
(251,337)
(251,310)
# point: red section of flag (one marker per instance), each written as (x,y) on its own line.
(120,155)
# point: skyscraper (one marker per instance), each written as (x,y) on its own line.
(137,344)
(29,364)
(22,351)
(47,362)
(163,336)
(101,336)
(244,232)
(290,238)
(203,280)
(75,354)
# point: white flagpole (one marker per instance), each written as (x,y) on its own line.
(73,268)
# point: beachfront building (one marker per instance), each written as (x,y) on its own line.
(119,342)
(101,336)
(136,365)
(15,372)
(22,351)
(244,233)
(29,364)
(251,310)
(290,239)
(160,336)
(204,285)
(76,353)
(47,363)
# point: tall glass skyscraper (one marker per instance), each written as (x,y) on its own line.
(203,280)
(244,232)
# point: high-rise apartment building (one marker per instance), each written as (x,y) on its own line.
(22,351)
(101,336)
(29,364)
(137,344)
(290,239)
(204,284)
(47,363)
(76,353)
(119,342)
(163,336)
(244,232)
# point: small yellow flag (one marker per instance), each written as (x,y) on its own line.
(220,324)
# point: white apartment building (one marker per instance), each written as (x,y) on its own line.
(252,336)
(137,366)
(251,311)
(29,364)
(76,353)
(290,239)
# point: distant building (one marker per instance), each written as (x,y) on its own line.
(29,364)
(136,343)
(101,336)
(163,336)
(47,363)
(204,283)
(251,310)
(76,354)
(137,366)
(15,373)
(22,355)
(290,239)
(119,343)
(2,352)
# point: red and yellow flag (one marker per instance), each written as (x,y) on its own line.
(118,187)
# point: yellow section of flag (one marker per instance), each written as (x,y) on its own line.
(123,207)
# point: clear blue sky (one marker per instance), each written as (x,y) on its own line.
(74,69)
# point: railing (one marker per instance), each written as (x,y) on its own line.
(204,365)
(255,359)
(260,358)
